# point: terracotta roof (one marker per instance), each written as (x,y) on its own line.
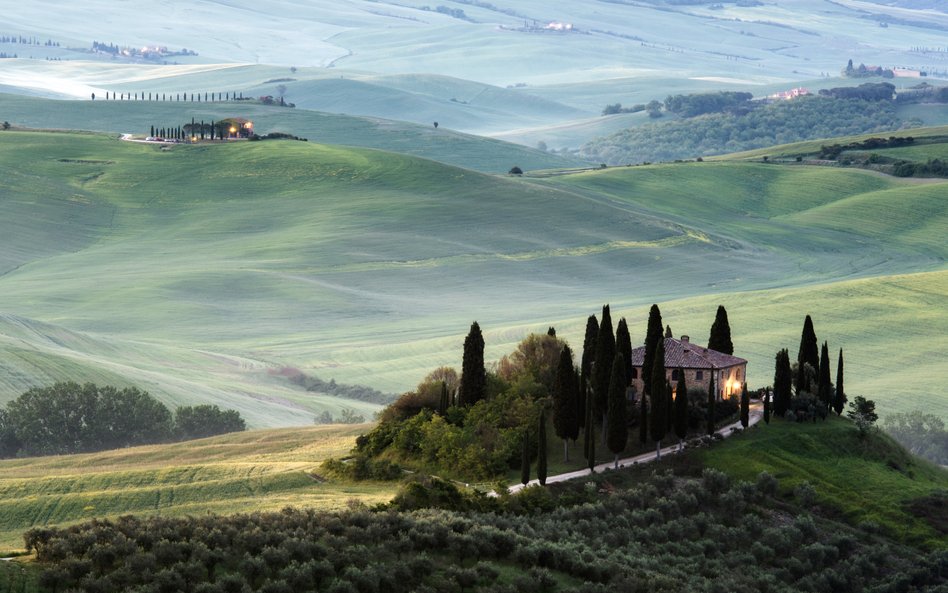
(683,354)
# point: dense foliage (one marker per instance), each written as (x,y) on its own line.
(72,418)
(668,533)
(782,122)
(922,434)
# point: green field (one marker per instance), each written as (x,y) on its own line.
(199,272)
(241,472)
(868,480)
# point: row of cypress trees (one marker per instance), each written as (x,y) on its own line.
(593,395)
(812,374)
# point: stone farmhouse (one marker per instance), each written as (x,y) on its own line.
(698,364)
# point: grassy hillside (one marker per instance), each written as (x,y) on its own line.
(201,271)
(241,472)
(873,480)
(441,144)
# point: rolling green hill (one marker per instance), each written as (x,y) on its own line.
(200,272)
(240,472)
(441,144)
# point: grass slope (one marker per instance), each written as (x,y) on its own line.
(197,272)
(441,144)
(863,480)
(241,472)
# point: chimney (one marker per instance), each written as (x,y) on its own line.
(684,339)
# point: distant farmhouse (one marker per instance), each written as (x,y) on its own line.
(698,364)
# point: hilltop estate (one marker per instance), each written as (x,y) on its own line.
(698,364)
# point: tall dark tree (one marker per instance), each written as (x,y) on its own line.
(720,338)
(551,332)
(766,407)
(839,398)
(590,437)
(589,356)
(582,392)
(473,374)
(602,370)
(809,353)
(712,399)
(668,332)
(653,335)
(541,449)
(658,421)
(681,408)
(525,459)
(617,427)
(826,384)
(624,348)
(783,379)
(745,406)
(565,421)
(643,415)
(444,402)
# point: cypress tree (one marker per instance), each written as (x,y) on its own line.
(473,374)
(783,378)
(152,134)
(826,384)
(590,434)
(589,356)
(720,338)
(551,331)
(669,408)
(525,459)
(624,348)
(541,450)
(681,408)
(643,414)
(711,401)
(565,421)
(839,399)
(443,405)
(587,431)
(767,407)
(618,430)
(658,422)
(745,406)
(668,332)
(809,353)
(653,335)
(602,370)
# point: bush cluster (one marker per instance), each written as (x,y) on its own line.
(805,118)
(668,533)
(72,418)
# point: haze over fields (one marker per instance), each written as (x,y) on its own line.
(205,273)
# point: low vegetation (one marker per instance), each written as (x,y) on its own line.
(763,125)
(72,418)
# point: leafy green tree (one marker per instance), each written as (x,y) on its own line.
(9,444)
(839,398)
(541,449)
(602,370)
(129,417)
(198,422)
(658,421)
(720,338)
(681,408)
(809,353)
(783,379)
(616,425)
(745,406)
(624,348)
(525,459)
(473,374)
(565,394)
(862,412)
(711,401)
